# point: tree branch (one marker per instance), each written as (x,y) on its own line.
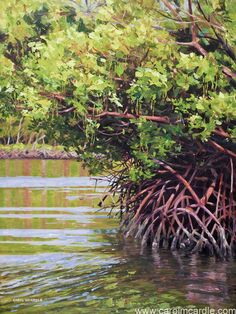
(222,133)
(222,149)
(195,43)
(70,109)
(229,50)
(172,9)
(53,95)
(159,119)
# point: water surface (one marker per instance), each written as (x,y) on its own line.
(59,254)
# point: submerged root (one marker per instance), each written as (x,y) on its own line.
(188,207)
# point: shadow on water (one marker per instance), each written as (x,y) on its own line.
(59,254)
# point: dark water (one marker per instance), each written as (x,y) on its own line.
(59,254)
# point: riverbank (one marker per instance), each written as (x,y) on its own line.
(35,152)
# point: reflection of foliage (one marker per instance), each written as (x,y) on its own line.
(133,82)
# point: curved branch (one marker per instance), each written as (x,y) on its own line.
(222,149)
(172,9)
(164,119)
(70,109)
(181,179)
(195,42)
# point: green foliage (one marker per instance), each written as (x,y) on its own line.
(66,64)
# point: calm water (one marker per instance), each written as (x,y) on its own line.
(59,254)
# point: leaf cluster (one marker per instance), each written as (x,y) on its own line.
(98,75)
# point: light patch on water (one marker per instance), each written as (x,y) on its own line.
(42,233)
(80,218)
(36,182)
(81,209)
(51,261)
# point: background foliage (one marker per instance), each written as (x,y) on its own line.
(130,80)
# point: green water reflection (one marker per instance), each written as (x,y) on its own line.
(42,168)
(59,254)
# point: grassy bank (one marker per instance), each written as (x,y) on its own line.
(21,151)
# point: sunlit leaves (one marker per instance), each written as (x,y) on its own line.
(120,57)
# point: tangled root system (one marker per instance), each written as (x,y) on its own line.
(186,206)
